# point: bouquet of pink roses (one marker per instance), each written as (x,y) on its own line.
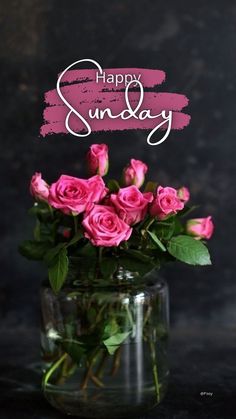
(103,226)
(99,241)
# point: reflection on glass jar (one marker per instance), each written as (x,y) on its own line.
(105,346)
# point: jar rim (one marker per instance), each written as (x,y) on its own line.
(152,280)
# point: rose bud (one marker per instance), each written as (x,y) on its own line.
(66,233)
(134,174)
(201,228)
(97,158)
(183,194)
(166,202)
(39,189)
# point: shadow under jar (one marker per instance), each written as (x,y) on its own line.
(104,347)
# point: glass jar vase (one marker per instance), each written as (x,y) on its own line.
(104,347)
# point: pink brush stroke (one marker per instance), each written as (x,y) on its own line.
(83,93)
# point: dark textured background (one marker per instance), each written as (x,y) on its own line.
(195,43)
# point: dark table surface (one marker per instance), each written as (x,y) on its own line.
(202,381)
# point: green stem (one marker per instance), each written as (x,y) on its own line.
(75,224)
(116,362)
(51,211)
(98,317)
(150,223)
(100,369)
(100,249)
(96,381)
(52,369)
(154,370)
(65,367)
(86,377)
(89,372)
(99,261)
(147,315)
(130,317)
(144,231)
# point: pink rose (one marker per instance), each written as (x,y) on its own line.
(38,187)
(166,202)
(98,159)
(202,228)
(69,194)
(103,227)
(73,195)
(131,204)
(97,189)
(183,194)
(134,174)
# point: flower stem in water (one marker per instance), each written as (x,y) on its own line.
(154,370)
(116,362)
(52,369)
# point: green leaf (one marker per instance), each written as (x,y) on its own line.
(157,241)
(34,250)
(165,230)
(178,227)
(113,342)
(108,266)
(113,185)
(78,346)
(74,348)
(58,270)
(110,329)
(37,235)
(42,211)
(52,254)
(46,231)
(189,250)
(150,187)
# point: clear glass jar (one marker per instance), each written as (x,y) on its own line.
(104,347)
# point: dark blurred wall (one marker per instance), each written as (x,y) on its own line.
(194,43)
